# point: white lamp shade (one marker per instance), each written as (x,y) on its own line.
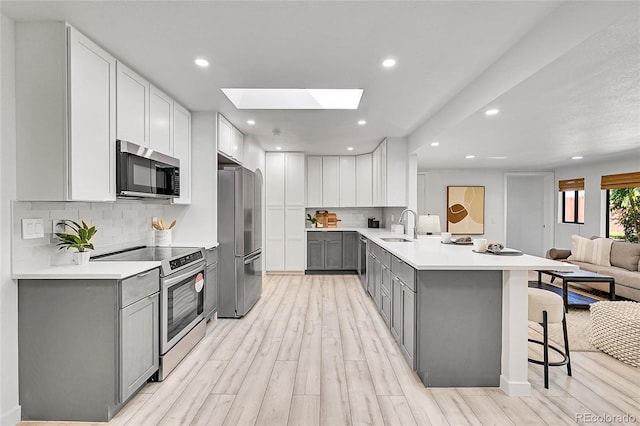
(428,224)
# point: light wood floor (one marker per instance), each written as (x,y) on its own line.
(314,351)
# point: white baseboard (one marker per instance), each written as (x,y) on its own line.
(11,417)
(285,273)
(515,388)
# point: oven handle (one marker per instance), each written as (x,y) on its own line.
(189,272)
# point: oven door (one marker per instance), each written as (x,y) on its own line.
(182,304)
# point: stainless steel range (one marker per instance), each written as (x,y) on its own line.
(182,298)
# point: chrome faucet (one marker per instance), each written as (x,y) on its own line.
(415,221)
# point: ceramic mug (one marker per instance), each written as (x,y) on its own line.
(445,237)
(480,245)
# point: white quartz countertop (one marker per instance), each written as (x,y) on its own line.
(93,270)
(428,253)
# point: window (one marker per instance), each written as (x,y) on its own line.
(573,207)
(623,206)
(572,191)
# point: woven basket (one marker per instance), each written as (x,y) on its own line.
(615,329)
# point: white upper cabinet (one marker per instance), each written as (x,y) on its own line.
(364,186)
(225,133)
(395,176)
(237,144)
(132,106)
(160,121)
(347,181)
(182,150)
(230,139)
(314,181)
(330,181)
(65,120)
(389,167)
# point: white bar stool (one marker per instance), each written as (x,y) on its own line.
(546,307)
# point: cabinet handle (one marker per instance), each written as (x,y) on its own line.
(144,274)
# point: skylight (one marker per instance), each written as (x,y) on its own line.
(294,98)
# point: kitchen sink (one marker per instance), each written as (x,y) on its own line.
(396,240)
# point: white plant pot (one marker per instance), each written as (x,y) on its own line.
(81,257)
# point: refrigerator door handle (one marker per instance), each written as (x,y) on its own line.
(253,258)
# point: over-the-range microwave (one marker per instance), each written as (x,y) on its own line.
(143,172)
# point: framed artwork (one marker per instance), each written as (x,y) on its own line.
(465,210)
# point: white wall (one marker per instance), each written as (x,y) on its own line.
(9,408)
(493,181)
(594,211)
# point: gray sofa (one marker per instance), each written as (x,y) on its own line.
(625,262)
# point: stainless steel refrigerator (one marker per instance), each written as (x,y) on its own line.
(240,238)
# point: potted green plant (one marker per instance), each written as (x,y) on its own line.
(312,219)
(79,239)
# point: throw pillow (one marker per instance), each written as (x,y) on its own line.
(596,251)
(625,255)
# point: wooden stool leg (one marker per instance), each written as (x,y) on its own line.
(545,328)
(566,344)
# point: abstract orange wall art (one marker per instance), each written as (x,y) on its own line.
(465,210)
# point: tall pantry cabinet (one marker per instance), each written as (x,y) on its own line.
(285,200)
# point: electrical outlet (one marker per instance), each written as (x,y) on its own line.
(57,225)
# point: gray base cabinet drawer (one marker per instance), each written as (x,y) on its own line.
(405,272)
(139,286)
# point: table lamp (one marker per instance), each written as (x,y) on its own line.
(428,224)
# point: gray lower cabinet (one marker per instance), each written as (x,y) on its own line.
(333,253)
(396,307)
(403,309)
(377,297)
(371,279)
(408,336)
(350,241)
(138,353)
(211,283)
(324,250)
(85,346)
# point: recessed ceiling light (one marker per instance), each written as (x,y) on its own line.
(491,112)
(577,157)
(251,122)
(389,63)
(362,122)
(201,62)
(278,148)
(349,148)
(294,98)
(435,143)
(498,158)
(470,156)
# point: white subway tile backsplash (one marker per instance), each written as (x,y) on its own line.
(75,206)
(355,217)
(121,224)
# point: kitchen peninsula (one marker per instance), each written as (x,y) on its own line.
(465,317)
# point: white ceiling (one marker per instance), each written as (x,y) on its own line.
(441,48)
